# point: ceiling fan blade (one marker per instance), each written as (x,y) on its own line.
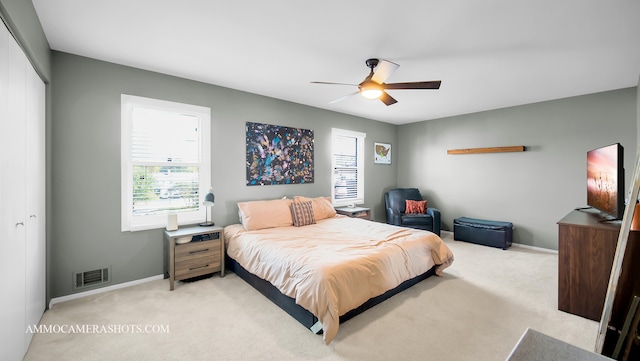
(384,69)
(330,83)
(344,97)
(435,84)
(387,99)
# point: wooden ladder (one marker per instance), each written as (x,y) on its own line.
(621,247)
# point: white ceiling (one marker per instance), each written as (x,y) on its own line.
(489,54)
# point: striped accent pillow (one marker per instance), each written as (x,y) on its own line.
(302,213)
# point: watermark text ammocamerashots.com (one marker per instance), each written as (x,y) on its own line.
(106,329)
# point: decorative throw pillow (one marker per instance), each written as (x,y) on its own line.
(302,213)
(416,206)
(322,207)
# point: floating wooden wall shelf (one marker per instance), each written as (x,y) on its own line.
(516,148)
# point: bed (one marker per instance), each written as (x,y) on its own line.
(331,267)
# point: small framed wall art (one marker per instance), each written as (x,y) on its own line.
(382,153)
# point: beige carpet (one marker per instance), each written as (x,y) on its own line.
(477,311)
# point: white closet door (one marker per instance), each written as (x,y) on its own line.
(22,198)
(35,200)
(8,319)
(12,200)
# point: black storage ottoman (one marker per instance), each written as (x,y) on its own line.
(481,231)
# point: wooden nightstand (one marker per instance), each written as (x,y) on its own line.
(195,258)
(355,212)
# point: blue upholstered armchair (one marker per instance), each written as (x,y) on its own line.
(395,203)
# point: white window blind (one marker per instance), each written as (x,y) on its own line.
(165,162)
(348,167)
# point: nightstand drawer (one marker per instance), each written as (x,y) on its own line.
(197,266)
(193,250)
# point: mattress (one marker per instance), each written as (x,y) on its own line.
(337,264)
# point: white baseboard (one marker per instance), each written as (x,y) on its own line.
(103,289)
(547,250)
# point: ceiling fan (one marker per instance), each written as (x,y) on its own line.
(373,86)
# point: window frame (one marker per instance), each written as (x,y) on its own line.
(145,222)
(360,166)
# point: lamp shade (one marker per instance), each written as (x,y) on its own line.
(209,199)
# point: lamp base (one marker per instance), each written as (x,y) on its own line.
(206,224)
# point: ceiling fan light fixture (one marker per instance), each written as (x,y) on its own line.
(371,91)
(374,86)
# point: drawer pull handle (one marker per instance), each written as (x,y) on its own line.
(195,268)
(200,251)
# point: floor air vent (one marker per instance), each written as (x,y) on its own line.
(91,278)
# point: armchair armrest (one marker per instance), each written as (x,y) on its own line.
(393,217)
(435,214)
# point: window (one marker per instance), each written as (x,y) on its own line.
(166,162)
(347,162)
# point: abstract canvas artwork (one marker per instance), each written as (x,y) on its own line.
(278,155)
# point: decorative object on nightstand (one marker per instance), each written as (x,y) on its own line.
(201,254)
(172,222)
(183,240)
(355,212)
(209,200)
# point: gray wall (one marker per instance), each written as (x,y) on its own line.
(533,189)
(21,18)
(86,162)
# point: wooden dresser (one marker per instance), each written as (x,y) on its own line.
(586,249)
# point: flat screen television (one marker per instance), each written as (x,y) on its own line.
(605,180)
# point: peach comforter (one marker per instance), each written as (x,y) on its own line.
(338,263)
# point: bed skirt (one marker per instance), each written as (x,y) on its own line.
(306,318)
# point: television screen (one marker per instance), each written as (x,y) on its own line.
(605,180)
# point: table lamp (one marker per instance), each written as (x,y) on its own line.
(209,200)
